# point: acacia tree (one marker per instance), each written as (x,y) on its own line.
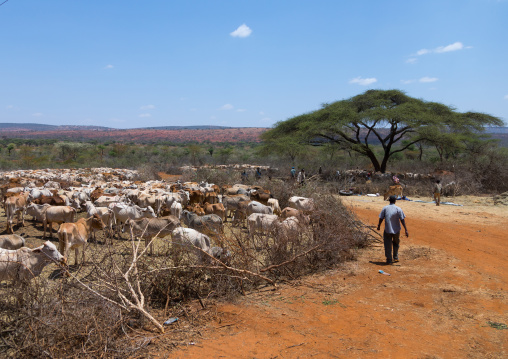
(291,146)
(380,117)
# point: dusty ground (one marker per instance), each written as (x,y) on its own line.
(440,301)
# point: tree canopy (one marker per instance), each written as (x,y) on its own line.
(379,117)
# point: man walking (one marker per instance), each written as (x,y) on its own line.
(393,217)
(437,192)
(301,177)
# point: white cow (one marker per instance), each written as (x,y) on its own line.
(105,201)
(176,210)
(38,193)
(302,203)
(261,222)
(149,228)
(57,214)
(257,207)
(273,203)
(37,211)
(289,227)
(25,263)
(149,200)
(180,197)
(81,196)
(15,190)
(122,212)
(190,238)
(12,241)
(105,213)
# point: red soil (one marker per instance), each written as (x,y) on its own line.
(451,282)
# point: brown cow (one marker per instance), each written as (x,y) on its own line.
(15,205)
(196,208)
(57,214)
(51,200)
(196,197)
(96,193)
(211,197)
(293,212)
(260,197)
(75,235)
(393,190)
(241,211)
(217,208)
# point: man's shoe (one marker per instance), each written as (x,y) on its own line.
(395,260)
(389,262)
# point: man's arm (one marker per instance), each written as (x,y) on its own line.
(379,224)
(403,221)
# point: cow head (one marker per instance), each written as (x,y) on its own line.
(149,212)
(97,222)
(49,249)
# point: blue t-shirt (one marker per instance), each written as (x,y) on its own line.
(392,216)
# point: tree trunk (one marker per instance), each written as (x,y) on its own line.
(374,160)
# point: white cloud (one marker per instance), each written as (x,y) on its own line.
(147,107)
(453,47)
(261,113)
(428,79)
(37,114)
(241,110)
(422,52)
(9,107)
(407,82)
(142,115)
(441,49)
(412,60)
(266,119)
(227,106)
(364,82)
(193,109)
(242,31)
(213,118)
(506,97)
(108,67)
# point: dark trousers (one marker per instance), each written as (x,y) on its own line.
(391,240)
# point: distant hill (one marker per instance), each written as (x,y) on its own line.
(176,134)
(42,127)
(496,130)
(204,127)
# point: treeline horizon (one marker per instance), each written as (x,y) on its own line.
(485,165)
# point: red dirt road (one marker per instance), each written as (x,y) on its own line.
(451,282)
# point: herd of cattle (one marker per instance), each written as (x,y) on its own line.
(113,202)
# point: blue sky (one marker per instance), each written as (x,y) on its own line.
(246,63)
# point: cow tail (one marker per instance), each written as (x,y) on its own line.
(44,214)
(7,214)
(62,242)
